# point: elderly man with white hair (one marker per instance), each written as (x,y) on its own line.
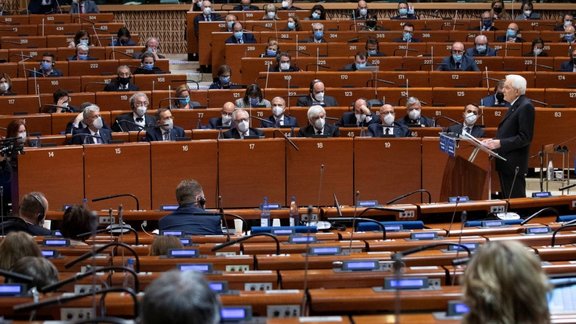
(513,138)
(317,124)
(414,116)
(94,133)
(481,47)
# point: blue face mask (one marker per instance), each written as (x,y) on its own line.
(481,48)
(291,25)
(360,65)
(270,52)
(224,79)
(487,23)
(45,66)
(511,33)
(403,11)
(238,34)
(457,57)
(184,101)
(148,66)
(254,101)
(82,57)
(406,36)
(372,52)
(315,15)
(569,37)
(318,34)
(230,24)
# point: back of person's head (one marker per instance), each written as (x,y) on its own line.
(15,246)
(180,297)
(33,208)
(189,192)
(78,220)
(504,283)
(163,244)
(40,269)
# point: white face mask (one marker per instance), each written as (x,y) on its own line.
(243,126)
(284,66)
(22,137)
(319,96)
(141,111)
(277,111)
(98,123)
(168,124)
(471,118)
(363,12)
(4,86)
(271,14)
(537,51)
(284,4)
(207,11)
(226,119)
(527,13)
(319,123)
(389,119)
(414,114)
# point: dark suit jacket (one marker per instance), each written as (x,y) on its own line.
(234,133)
(79,139)
(467,64)
(75,58)
(503,38)
(89,7)
(187,219)
(36,7)
(422,122)
(352,67)
(401,40)
(40,73)
(306,101)
(155,70)
(377,130)
(473,52)
(477,131)
(248,38)
(125,123)
(289,121)
(310,131)
(216,123)
(567,66)
(200,17)
(240,8)
(348,119)
(490,101)
(515,133)
(155,134)
(114,86)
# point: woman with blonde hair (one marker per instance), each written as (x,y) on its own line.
(504,283)
(15,246)
(163,244)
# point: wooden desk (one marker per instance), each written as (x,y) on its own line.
(220,263)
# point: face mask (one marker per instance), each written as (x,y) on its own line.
(371,23)
(497,9)
(511,32)
(567,23)
(124,81)
(254,101)
(481,48)
(84,42)
(319,96)
(199,4)
(226,119)
(414,114)
(277,111)
(319,123)
(403,11)
(284,4)
(64,105)
(98,123)
(360,65)
(207,11)
(243,126)
(246,7)
(224,79)
(527,13)
(271,14)
(363,12)
(457,57)
(318,34)
(184,101)
(22,137)
(500,96)
(315,15)
(406,36)
(230,24)
(569,37)
(150,50)
(487,23)
(148,66)
(388,119)
(291,25)
(4,86)
(141,111)
(360,117)
(284,66)
(471,118)
(83,57)
(270,52)
(45,66)
(372,52)
(238,34)
(537,51)
(168,124)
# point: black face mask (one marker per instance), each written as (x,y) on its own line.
(124,81)
(371,23)
(497,10)
(499,96)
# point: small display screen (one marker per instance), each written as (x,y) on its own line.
(282,231)
(538,230)
(328,250)
(200,267)
(303,239)
(423,236)
(11,289)
(172,233)
(408,283)
(234,313)
(183,253)
(218,286)
(494,223)
(360,265)
(56,242)
(49,253)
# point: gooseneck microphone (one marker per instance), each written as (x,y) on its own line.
(506,215)
(16,276)
(89,273)
(114,229)
(356,219)
(567,225)
(390,209)
(409,194)
(540,212)
(119,195)
(290,141)
(247,237)
(102,248)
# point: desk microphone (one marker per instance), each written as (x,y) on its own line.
(102,248)
(114,229)
(396,210)
(373,82)
(91,83)
(540,212)
(409,194)
(539,102)
(288,139)
(16,276)
(354,220)
(453,216)
(91,272)
(247,237)
(509,215)
(567,225)
(119,195)
(435,119)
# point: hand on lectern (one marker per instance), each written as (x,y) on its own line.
(491,143)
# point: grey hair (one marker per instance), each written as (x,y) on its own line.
(315,111)
(135,96)
(411,100)
(92,108)
(518,82)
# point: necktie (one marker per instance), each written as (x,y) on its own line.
(208,18)
(468,130)
(319,132)
(82,8)
(387,130)
(166,136)
(97,139)
(458,66)
(139,119)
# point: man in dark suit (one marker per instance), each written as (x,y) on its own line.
(190,216)
(46,67)
(569,35)
(94,133)
(123,81)
(317,34)
(241,126)
(496,99)
(279,118)
(511,35)
(226,119)
(458,61)
(245,5)
(407,35)
(316,96)
(288,5)
(487,22)
(317,124)
(387,126)
(207,15)
(240,37)
(32,213)
(414,116)
(361,13)
(481,47)
(360,62)
(84,6)
(165,129)
(361,116)
(42,7)
(137,119)
(513,138)
(469,125)
(82,54)
(566,21)
(569,66)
